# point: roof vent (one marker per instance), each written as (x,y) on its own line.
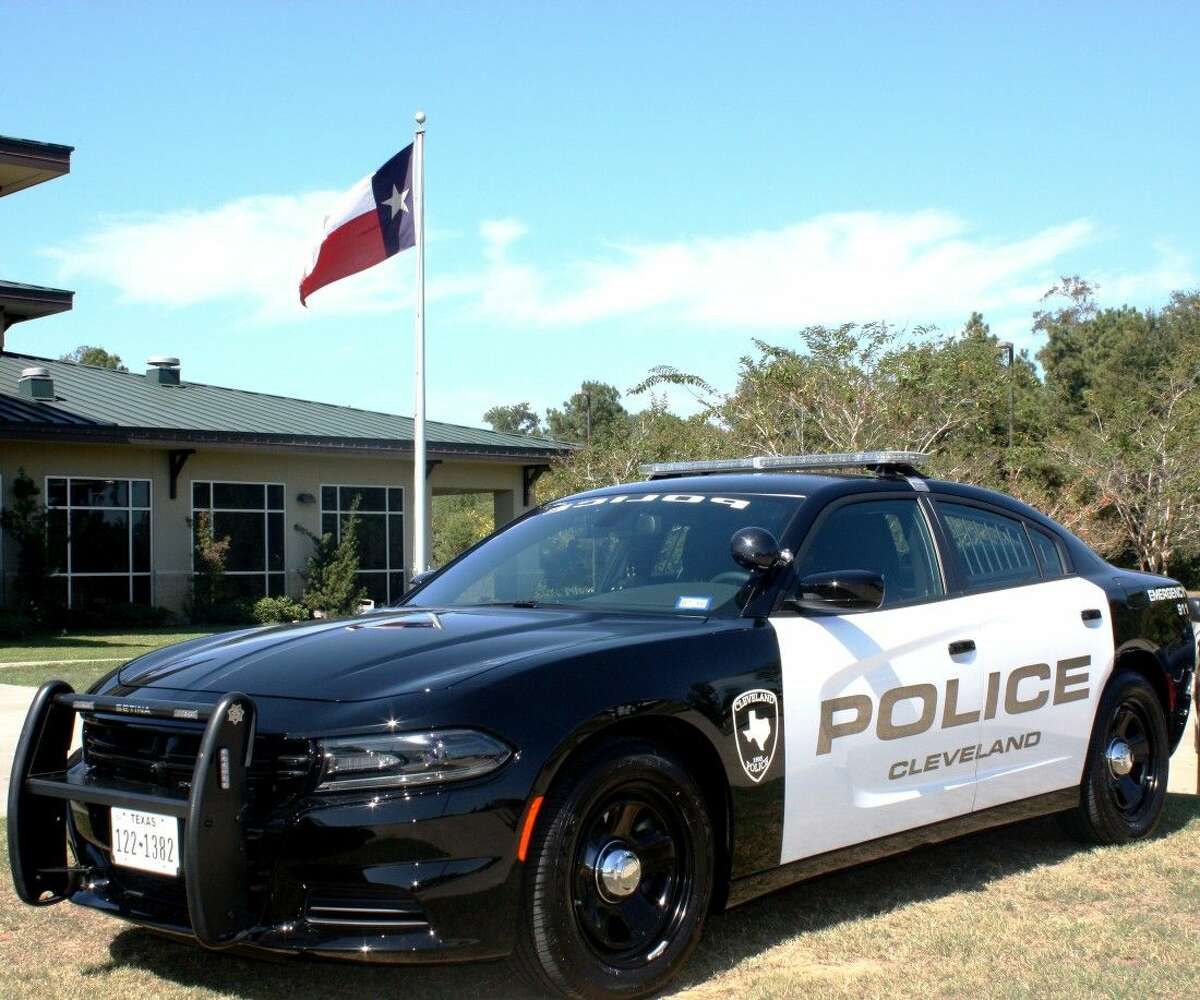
(36,383)
(163,369)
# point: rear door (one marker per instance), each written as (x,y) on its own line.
(1044,650)
(877,708)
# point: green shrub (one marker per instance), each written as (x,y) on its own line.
(14,625)
(331,576)
(279,611)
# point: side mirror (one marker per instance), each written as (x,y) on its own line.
(419,579)
(845,590)
(757,550)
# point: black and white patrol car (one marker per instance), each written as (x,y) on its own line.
(628,709)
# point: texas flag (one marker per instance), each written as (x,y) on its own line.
(373,221)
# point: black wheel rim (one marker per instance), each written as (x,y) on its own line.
(634,925)
(1131,761)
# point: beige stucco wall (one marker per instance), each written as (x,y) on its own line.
(299,471)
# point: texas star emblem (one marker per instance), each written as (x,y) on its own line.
(235,715)
(756,730)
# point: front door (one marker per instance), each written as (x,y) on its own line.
(879,711)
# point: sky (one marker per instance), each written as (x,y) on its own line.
(610,187)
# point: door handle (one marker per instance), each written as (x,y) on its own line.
(1090,614)
(960,646)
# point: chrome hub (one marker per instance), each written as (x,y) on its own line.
(618,873)
(1119,757)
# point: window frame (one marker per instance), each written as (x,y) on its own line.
(387,514)
(266,572)
(932,526)
(129,508)
(962,584)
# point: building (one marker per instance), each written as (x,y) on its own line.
(24,163)
(125,461)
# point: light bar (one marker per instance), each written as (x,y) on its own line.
(906,462)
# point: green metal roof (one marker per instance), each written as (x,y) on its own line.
(20,301)
(101,404)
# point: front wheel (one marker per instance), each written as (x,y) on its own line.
(620,878)
(1125,777)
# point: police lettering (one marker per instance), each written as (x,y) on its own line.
(1027,689)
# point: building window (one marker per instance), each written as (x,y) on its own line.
(250,515)
(98,532)
(380,534)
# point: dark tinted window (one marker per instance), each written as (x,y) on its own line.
(994,549)
(889,537)
(1048,553)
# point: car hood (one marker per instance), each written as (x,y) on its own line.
(380,655)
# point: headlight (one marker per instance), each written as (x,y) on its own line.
(350,762)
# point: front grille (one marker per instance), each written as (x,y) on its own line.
(376,908)
(163,754)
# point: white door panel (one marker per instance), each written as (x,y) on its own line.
(1055,665)
(846,735)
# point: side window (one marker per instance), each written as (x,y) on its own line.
(889,537)
(1048,553)
(994,549)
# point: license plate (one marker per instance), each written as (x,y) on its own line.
(145,840)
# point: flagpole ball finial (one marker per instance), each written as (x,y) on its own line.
(420,117)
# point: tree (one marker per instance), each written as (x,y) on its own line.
(97,357)
(867,388)
(331,574)
(212,599)
(1129,399)
(459,521)
(25,523)
(592,413)
(652,435)
(520,418)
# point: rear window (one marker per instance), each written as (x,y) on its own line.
(1049,554)
(994,550)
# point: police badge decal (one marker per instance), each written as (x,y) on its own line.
(756,730)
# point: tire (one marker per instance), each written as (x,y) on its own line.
(1118,805)
(590,931)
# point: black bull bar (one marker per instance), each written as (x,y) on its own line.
(214,862)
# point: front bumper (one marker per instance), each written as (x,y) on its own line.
(427,876)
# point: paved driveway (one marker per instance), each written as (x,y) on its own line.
(14,702)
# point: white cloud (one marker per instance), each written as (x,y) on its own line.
(252,249)
(906,267)
(856,265)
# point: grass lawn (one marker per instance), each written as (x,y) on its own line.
(1017,912)
(81,657)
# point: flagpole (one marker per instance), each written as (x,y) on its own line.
(418,507)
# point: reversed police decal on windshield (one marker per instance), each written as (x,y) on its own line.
(733,503)
(756,730)
(693,603)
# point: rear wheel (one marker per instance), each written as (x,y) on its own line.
(1125,778)
(620,876)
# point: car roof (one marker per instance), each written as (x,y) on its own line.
(823,486)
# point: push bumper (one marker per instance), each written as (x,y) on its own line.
(213,849)
(408,878)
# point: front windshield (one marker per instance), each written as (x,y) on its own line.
(639,552)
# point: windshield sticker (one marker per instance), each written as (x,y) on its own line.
(693,604)
(732,503)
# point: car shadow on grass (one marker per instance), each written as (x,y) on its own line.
(932,872)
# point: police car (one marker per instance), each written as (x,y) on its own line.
(628,709)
